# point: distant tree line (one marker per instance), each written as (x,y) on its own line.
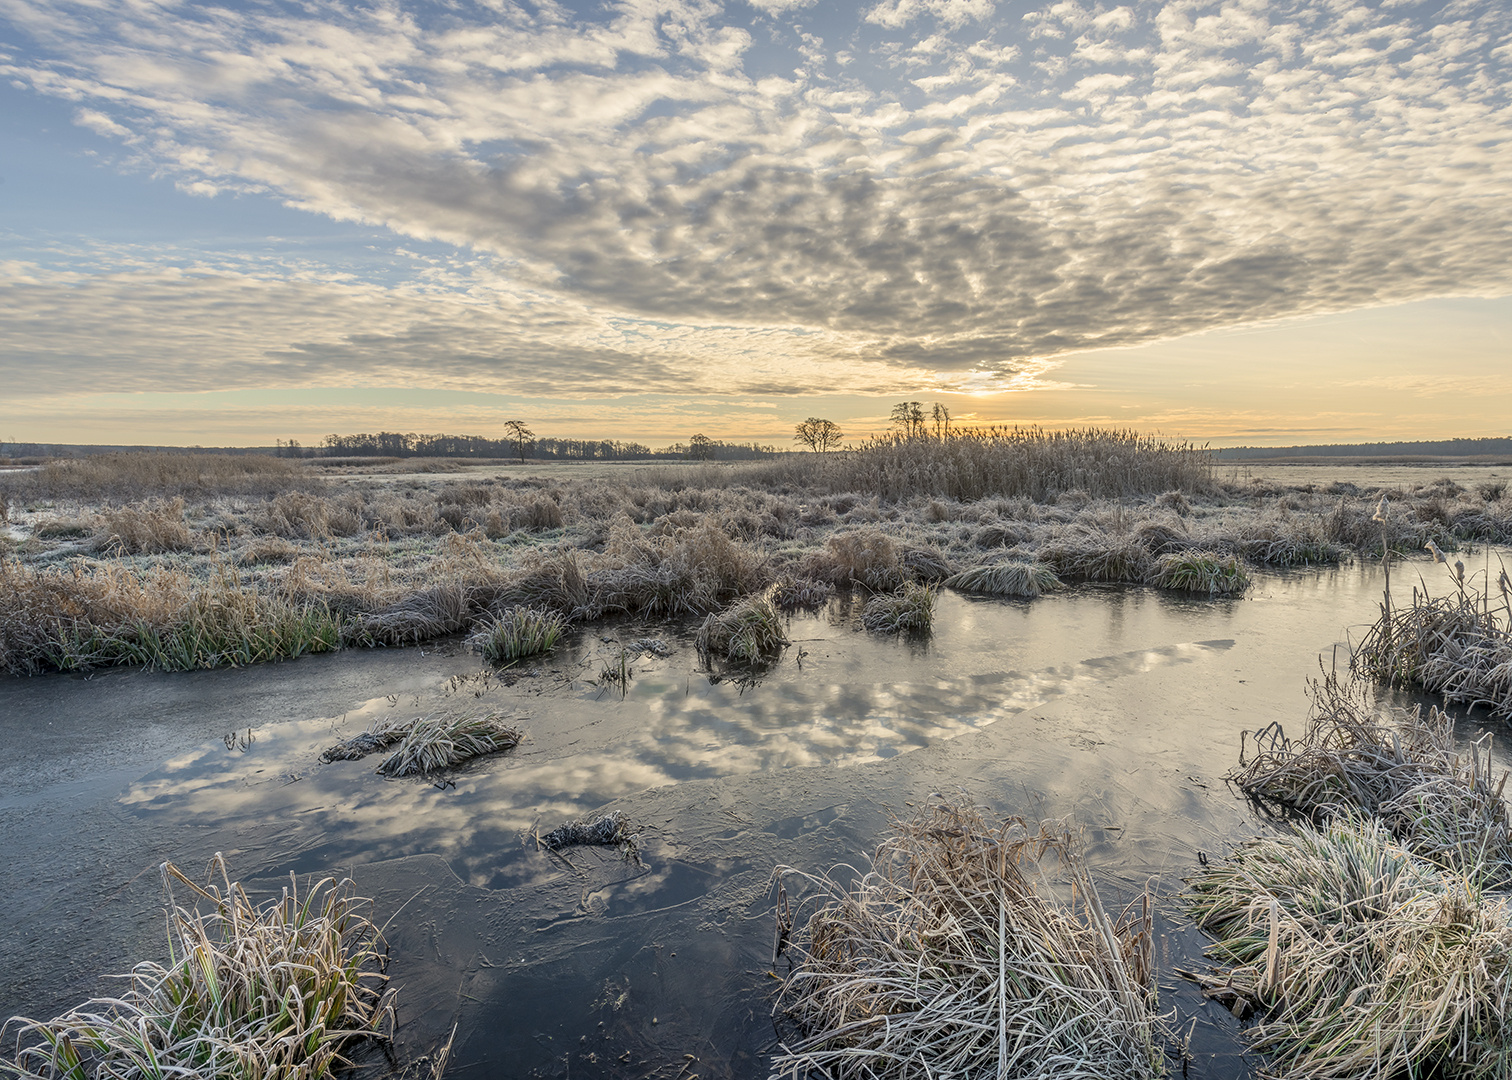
(519,441)
(1436,448)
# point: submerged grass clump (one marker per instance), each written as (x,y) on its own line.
(428,744)
(1014,577)
(1200,572)
(947,959)
(1370,962)
(908,610)
(613,829)
(748,632)
(519,632)
(250,992)
(1405,769)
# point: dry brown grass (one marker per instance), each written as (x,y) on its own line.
(149,528)
(1369,963)
(251,992)
(948,957)
(140,475)
(1437,797)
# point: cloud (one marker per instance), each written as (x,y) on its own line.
(1032,186)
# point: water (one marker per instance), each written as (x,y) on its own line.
(1119,707)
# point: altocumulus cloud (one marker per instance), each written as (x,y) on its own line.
(691,195)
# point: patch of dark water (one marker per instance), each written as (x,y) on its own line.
(1121,708)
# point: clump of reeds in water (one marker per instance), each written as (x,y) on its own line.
(1209,572)
(518,632)
(251,991)
(748,632)
(1011,577)
(1438,799)
(1368,961)
(948,958)
(1459,646)
(908,610)
(427,744)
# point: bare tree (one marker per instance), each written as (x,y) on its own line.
(941,422)
(520,435)
(818,434)
(909,418)
(701,447)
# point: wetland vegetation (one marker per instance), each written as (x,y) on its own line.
(1366,931)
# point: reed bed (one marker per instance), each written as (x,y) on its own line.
(281,989)
(1209,572)
(1012,461)
(1438,799)
(1011,577)
(748,633)
(519,632)
(1458,646)
(909,610)
(428,744)
(949,958)
(1370,963)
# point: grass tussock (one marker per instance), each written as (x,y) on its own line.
(518,632)
(250,991)
(749,632)
(1084,554)
(76,618)
(909,610)
(1012,577)
(1437,799)
(947,958)
(149,528)
(688,571)
(1209,572)
(1368,961)
(426,745)
(1459,646)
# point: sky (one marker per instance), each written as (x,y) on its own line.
(1235,222)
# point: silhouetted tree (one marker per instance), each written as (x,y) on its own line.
(941,422)
(520,435)
(818,434)
(701,448)
(909,418)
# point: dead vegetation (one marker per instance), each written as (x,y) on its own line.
(428,744)
(1437,798)
(613,829)
(1366,961)
(748,633)
(278,989)
(1368,936)
(949,956)
(1458,645)
(408,558)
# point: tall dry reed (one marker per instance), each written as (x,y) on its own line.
(948,958)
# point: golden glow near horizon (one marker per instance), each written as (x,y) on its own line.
(1235,221)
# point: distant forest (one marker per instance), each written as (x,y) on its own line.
(394,444)
(1440,448)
